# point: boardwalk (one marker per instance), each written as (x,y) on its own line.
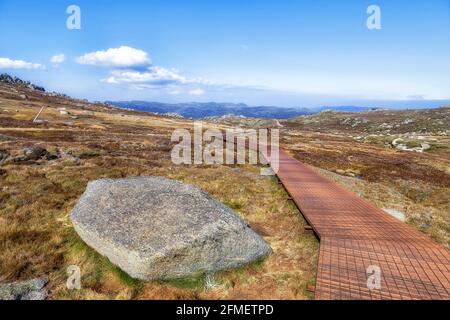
(354,235)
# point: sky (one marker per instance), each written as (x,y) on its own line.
(285,53)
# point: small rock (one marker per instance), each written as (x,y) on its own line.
(396,214)
(428,216)
(3,157)
(24,290)
(51,157)
(396,142)
(4,137)
(425,146)
(34,153)
(408,121)
(40,121)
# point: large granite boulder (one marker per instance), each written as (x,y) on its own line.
(155,228)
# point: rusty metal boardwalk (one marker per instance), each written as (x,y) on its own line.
(355,235)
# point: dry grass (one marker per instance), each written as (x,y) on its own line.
(37,238)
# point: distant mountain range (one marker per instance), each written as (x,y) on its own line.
(199,110)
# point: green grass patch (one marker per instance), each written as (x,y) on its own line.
(235,204)
(438,148)
(194,282)
(123,277)
(102,264)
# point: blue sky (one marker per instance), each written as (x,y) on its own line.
(286,53)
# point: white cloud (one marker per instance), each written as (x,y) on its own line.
(122,57)
(6,63)
(58,58)
(156,76)
(196,92)
(132,68)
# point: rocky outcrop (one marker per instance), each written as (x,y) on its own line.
(31,155)
(173,115)
(398,144)
(6,78)
(155,228)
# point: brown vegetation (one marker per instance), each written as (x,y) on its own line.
(36,197)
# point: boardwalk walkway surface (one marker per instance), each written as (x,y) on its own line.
(354,235)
